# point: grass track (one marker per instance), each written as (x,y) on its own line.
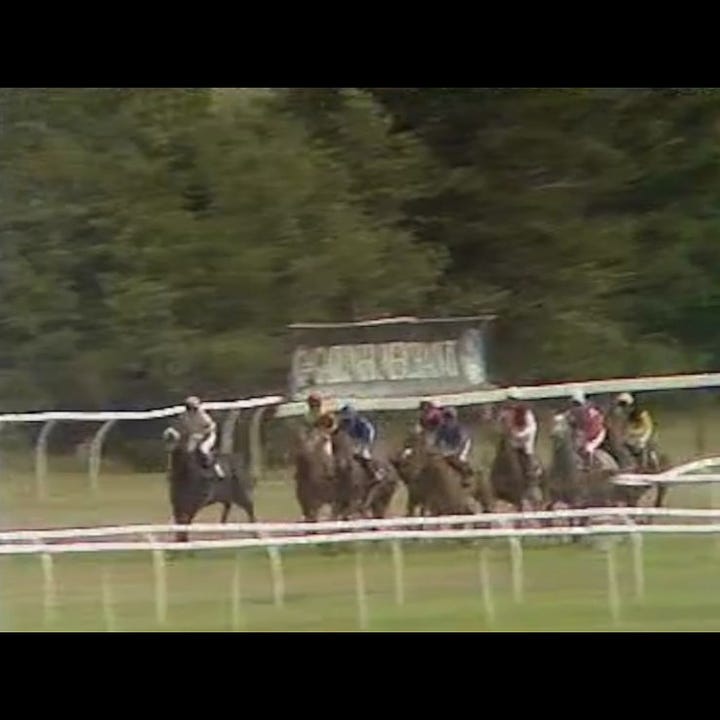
(565,586)
(565,589)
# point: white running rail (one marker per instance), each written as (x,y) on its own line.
(380,529)
(288,409)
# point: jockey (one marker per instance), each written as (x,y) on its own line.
(454,442)
(430,417)
(522,426)
(624,403)
(197,422)
(589,425)
(318,415)
(362,432)
(619,413)
(639,434)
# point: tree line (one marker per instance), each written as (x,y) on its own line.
(157,242)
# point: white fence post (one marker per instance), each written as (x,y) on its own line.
(360,590)
(107,601)
(638,565)
(399,572)
(715,504)
(516,560)
(485,583)
(95,456)
(227,434)
(41,462)
(276,570)
(257,464)
(236,595)
(49,590)
(160,574)
(612,580)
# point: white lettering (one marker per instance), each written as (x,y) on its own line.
(376,362)
(451,362)
(398,361)
(364,368)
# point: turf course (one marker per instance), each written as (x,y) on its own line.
(565,586)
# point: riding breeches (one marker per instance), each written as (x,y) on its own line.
(363,450)
(207,444)
(524,442)
(461,453)
(591,446)
(529,463)
(464,451)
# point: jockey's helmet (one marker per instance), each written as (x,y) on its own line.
(450,413)
(314,399)
(192,402)
(519,414)
(625,399)
(325,421)
(578,397)
(347,411)
(432,417)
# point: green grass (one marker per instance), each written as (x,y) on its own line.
(565,589)
(565,585)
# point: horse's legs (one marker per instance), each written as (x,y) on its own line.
(661,493)
(244,501)
(225,512)
(183,518)
(249,507)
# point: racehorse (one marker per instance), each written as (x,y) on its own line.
(193,487)
(357,493)
(569,481)
(432,484)
(315,484)
(510,481)
(648,460)
(615,446)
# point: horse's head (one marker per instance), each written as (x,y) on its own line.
(171,438)
(343,449)
(175,440)
(414,455)
(314,444)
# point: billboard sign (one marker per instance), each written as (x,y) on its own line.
(392,357)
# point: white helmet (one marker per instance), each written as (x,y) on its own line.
(192,402)
(625,399)
(578,396)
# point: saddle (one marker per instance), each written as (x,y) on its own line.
(210,465)
(371,468)
(645,457)
(463,469)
